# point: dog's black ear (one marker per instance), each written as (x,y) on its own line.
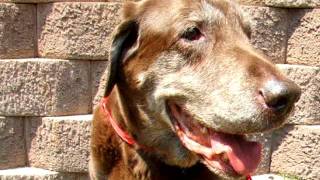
(124,45)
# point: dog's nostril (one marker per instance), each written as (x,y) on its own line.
(278,103)
(280,96)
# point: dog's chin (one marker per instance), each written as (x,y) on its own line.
(223,175)
(181,157)
(226,155)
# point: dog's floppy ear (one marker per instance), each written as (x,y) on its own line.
(124,44)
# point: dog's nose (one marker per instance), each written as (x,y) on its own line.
(280,96)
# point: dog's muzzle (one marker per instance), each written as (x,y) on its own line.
(232,154)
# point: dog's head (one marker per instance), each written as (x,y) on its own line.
(193,85)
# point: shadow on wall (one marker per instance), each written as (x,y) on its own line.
(294,19)
(280,135)
(295,50)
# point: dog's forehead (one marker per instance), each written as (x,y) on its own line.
(171,18)
(194,10)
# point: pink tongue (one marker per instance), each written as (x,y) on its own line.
(244,156)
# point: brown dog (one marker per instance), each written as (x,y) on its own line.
(184,89)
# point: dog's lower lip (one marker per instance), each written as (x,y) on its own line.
(210,145)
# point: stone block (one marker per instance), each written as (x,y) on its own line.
(59,143)
(29,173)
(98,77)
(252,2)
(282,3)
(271,177)
(17,30)
(50,1)
(84,176)
(293,3)
(304,37)
(308,78)
(269,30)
(12,142)
(44,87)
(76,30)
(296,151)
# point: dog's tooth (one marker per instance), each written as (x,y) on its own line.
(224,157)
(204,130)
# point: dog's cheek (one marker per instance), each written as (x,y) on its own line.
(168,146)
(167,62)
(161,80)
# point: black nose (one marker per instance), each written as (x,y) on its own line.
(280,96)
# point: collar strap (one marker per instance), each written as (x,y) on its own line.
(124,135)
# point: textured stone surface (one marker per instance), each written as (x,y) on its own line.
(283,3)
(269,28)
(98,79)
(265,140)
(49,1)
(293,3)
(270,177)
(44,87)
(84,176)
(29,173)
(12,144)
(17,30)
(296,151)
(76,30)
(308,78)
(252,2)
(304,37)
(59,143)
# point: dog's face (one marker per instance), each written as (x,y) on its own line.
(195,84)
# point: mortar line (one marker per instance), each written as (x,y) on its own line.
(36,48)
(24,119)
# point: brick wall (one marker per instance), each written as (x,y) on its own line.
(53,53)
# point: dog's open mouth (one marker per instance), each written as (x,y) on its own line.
(229,153)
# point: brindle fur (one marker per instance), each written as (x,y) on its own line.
(215,78)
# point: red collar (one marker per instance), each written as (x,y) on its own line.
(125,136)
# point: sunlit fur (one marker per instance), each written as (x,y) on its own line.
(215,78)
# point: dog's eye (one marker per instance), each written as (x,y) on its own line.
(192,34)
